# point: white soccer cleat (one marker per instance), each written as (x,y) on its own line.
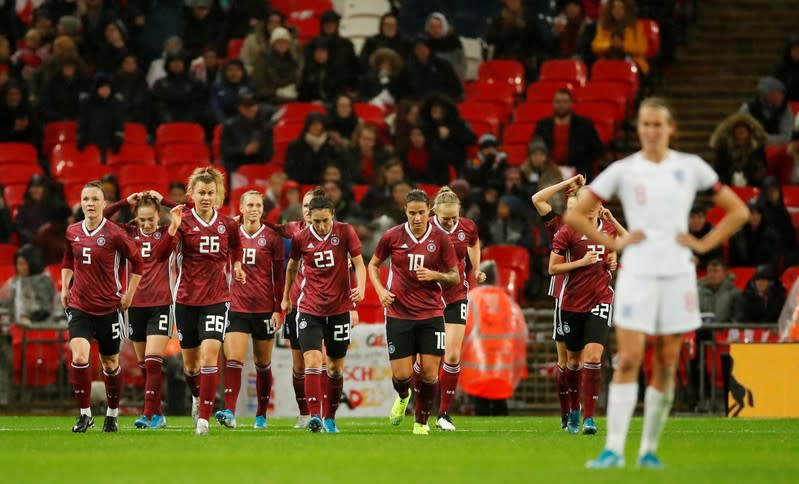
(444,422)
(302,421)
(202,427)
(195,408)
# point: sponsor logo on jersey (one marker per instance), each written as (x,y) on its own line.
(461,236)
(334,240)
(431,247)
(157,235)
(221,229)
(101,241)
(262,241)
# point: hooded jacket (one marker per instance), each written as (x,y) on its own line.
(305,164)
(179,97)
(449,47)
(398,44)
(723,301)
(749,159)
(136,99)
(342,53)
(321,82)
(777,121)
(101,122)
(60,97)
(238,132)
(445,151)
(225,94)
(788,71)
(10,114)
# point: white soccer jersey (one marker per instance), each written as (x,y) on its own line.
(657,199)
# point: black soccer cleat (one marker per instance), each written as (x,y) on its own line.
(564,419)
(110,425)
(83,423)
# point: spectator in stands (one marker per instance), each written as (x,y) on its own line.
(539,172)
(447,137)
(7,228)
(572,139)
(95,15)
(776,215)
(246,137)
(718,294)
(378,197)
(740,144)
(514,34)
(60,97)
(72,27)
(30,295)
(388,37)
(114,47)
(426,73)
(63,48)
(698,226)
(130,82)
(5,52)
(31,55)
(172,45)
(18,121)
(405,118)
(321,79)
(260,41)
(341,51)
(365,154)
(276,72)
(178,96)
(307,156)
(507,225)
(396,209)
(225,90)
(343,203)
(569,28)
(515,184)
(43,22)
(241,14)
(40,204)
(788,71)
(757,242)
(619,34)
(375,86)
(207,67)
(793,153)
(342,121)
(204,26)
(763,297)
(771,109)
(445,43)
(177,192)
(101,121)
(417,157)
(488,165)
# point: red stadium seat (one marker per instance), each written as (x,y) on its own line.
(7,253)
(617,70)
(84,173)
(18,173)
(511,256)
(612,92)
(532,112)
(135,134)
(359,191)
(518,134)
(789,277)
(54,270)
(286,132)
(155,174)
(517,154)
(571,70)
(255,174)
(296,112)
(14,195)
(430,189)
(794,105)
(216,144)
(17,153)
(196,153)
(37,354)
(72,192)
(605,129)
(68,154)
(287,6)
(746,193)
(544,91)
(652,30)
(131,154)
(305,23)
(234,48)
(369,113)
(7,271)
(170,133)
(503,72)
(790,196)
(488,112)
(742,275)
(600,109)
(59,132)
(503,95)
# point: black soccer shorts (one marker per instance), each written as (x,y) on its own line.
(580,329)
(407,337)
(259,325)
(107,329)
(143,322)
(455,313)
(333,330)
(199,323)
(290,329)
(557,328)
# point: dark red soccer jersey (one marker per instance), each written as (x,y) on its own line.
(585,287)
(205,250)
(287,231)
(262,260)
(326,288)
(552,223)
(95,257)
(415,300)
(462,236)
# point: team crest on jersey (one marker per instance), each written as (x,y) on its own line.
(679,175)
(220,229)
(334,240)
(262,241)
(157,235)
(101,241)
(431,247)
(461,236)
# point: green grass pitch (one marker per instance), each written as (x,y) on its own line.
(484,450)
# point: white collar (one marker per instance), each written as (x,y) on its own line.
(318,237)
(438,224)
(91,233)
(407,226)
(200,219)
(257,232)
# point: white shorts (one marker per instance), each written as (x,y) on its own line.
(656,305)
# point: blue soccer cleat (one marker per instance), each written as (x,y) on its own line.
(158,422)
(573,422)
(315,424)
(260,422)
(649,461)
(330,426)
(589,427)
(606,460)
(226,418)
(142,423)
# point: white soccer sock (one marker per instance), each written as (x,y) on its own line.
(112,412)
(657,406)
(622,398)
(86,411)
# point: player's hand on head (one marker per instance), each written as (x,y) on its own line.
(155,194)
(134,197)
(176,214)
(627,239)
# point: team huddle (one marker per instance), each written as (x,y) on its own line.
(233,283)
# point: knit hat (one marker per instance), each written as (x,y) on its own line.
(280,33)
(70,25)
(329,16)
(488,140)
(769,84)
(538,146)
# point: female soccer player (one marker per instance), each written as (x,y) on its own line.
(422,258)
(207,240)
(656,286)
(323,307)
(254,310)
(93,303)
(462,233)
(148,318)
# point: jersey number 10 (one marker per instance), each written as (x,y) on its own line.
(416,261)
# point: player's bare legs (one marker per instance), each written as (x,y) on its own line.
(82,380)
(191,372)
(450,373)
(561,384)
(150,355)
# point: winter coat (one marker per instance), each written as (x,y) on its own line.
(271,72)
(449,151)
(584,144)
(341,54)
(60,98)
(762,308)
(9,116)
(788,71)
(777,121)
(417,80)
(398,44)
(635,44)
(515,43)
(724,301)
(224,96)
(238,132)
(101,122)
(136,99)
(320,82)
(747,160)
(200,34)
(303,163)
(179,97)
(31,298)
(481,172)
(450,49)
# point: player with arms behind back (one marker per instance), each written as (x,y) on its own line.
(656,286)
(92,256)
(149,316)
(324,304)
(207,241)
(254,310)
(422,258)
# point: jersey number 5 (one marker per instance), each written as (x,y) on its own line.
(323,259)
(209,244)
(87,255)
